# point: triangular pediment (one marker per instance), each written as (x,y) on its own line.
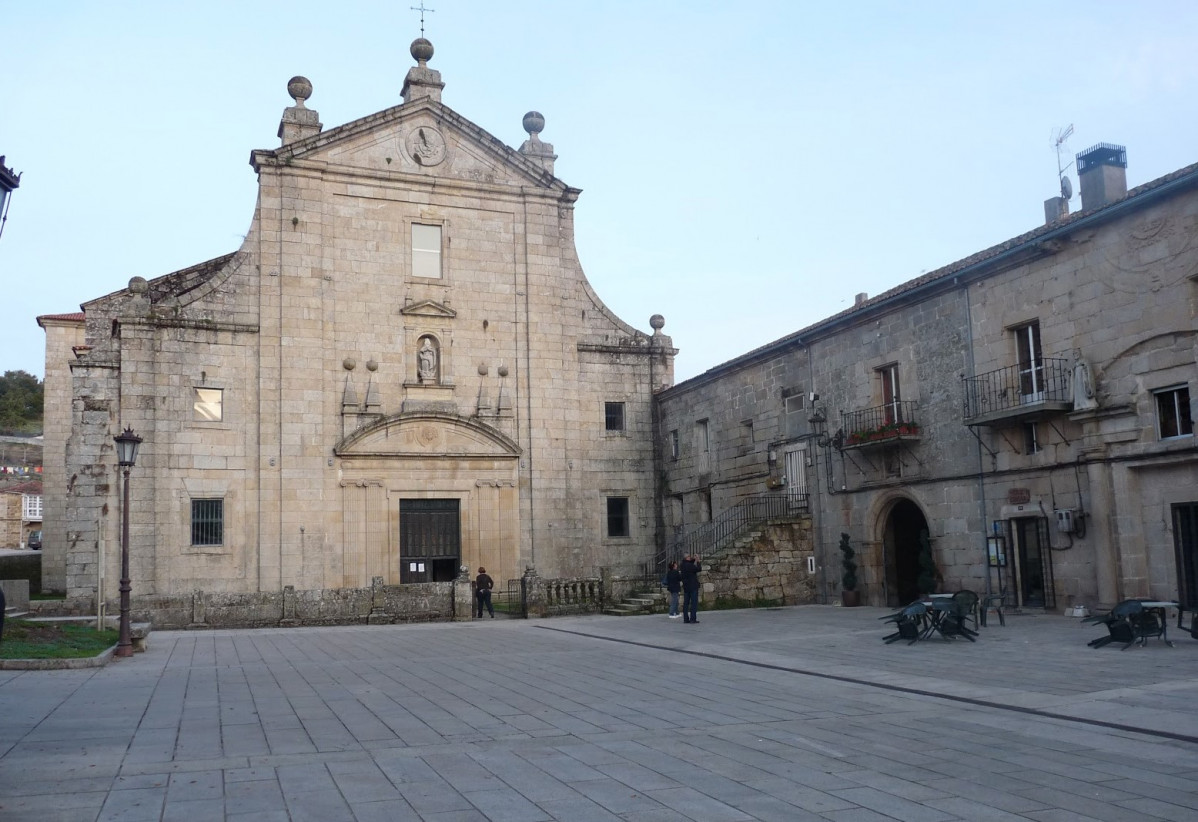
(428,435)
(428,308)
(423,138)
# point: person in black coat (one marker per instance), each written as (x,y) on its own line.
(689,570)
(674,586)
(482,591)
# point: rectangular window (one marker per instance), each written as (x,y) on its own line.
(1031,360)
(1173,417)
(613,416)
(207,522)
(426,251)
(674,448)
(796,420)
(617,517)
(891,401)
(209,404)
(702,440)
(1031,438)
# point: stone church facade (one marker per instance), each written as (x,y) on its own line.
(1029,407)
(402,371)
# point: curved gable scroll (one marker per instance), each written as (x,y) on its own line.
(425,435)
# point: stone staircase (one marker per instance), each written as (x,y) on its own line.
(652,602)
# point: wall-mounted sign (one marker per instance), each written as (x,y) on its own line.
(1019,496)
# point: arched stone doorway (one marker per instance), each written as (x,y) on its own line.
(900,537)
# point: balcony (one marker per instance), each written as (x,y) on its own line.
(880,426)
(1019,393)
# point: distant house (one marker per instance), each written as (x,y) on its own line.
(20,513)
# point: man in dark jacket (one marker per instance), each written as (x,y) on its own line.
(482,590)
(689,569)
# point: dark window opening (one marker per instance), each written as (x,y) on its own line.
(1173,412)
(617,517)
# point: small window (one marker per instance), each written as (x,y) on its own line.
(209,404)
(426,251)
(702,439)
(207,522)
(1031,438)
(674,444)
(617,517)
(1173,417)
(613,416)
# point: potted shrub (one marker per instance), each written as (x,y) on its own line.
(849,595)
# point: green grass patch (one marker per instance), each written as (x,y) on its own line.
(47,640)
(732,603)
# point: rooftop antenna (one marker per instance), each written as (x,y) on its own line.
(1066,185)
(422,10)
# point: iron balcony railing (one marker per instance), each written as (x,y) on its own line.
(1042,384)
(894,420)
(711,538)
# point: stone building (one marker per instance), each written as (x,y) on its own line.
(20,513)
(1029,407)
(401,371)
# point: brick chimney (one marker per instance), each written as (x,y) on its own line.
(1102,174)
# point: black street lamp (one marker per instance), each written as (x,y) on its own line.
(127,444)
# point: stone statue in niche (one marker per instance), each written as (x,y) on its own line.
(1084,398)
(426,361)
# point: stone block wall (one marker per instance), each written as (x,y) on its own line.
(771,566)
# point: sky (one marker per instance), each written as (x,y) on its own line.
(747,167)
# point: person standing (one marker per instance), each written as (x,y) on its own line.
(689,571)
(482,592)
(674,586)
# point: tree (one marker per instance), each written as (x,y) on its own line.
(849,579)
(21,400)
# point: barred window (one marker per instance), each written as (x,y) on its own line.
(613,416)
(207,522)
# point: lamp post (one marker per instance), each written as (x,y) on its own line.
(127,444)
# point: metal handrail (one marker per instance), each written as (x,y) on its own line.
(1047,379)
(881,419)
(710,538)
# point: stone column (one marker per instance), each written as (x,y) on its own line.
(198,616)
(378,604)
(288,619)
(533,591)
(463,596)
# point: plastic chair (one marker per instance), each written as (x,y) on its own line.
(995,601)
(966,605)
(910,622)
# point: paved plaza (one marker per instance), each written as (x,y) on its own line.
(778,714)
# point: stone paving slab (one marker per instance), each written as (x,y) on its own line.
(775,714)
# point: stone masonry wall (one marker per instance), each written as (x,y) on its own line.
(773,566)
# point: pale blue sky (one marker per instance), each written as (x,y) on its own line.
(747,167)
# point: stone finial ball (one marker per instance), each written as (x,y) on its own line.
(371,365)
(482,369)
(300,88)
(422,50)
(503,370)
(138,285)
(534,122)
(657,322)
(349,363)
